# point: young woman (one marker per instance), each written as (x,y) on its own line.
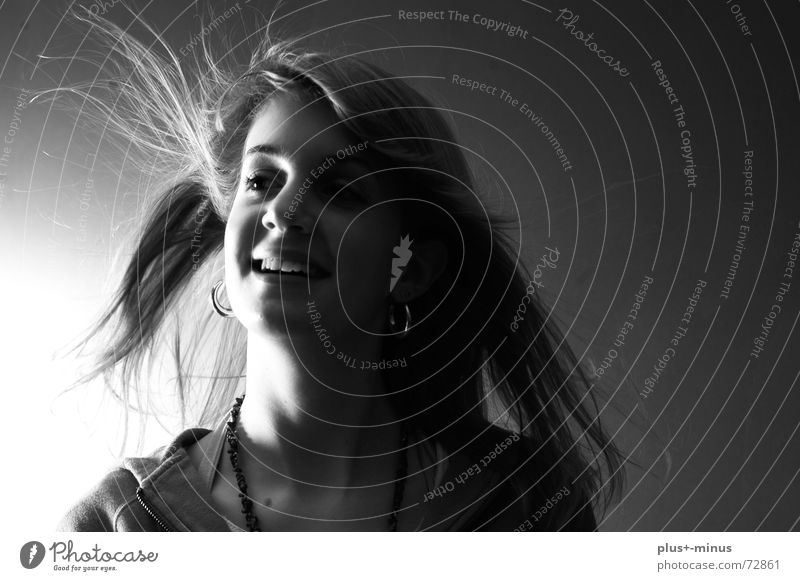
(366,310)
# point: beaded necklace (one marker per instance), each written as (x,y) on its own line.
(247,503)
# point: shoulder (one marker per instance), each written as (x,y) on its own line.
(113,499)
(97,509)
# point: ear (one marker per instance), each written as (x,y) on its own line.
(428,261)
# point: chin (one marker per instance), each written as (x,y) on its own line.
(272,319)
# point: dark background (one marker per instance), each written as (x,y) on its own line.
(715,443)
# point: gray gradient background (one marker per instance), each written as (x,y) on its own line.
(728,421)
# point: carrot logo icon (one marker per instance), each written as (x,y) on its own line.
(31,554)
(402,254)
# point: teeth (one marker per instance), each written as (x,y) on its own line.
(276,264)
(287,266)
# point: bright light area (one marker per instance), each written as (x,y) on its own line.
(61,444)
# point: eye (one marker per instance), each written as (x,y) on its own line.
(264,181)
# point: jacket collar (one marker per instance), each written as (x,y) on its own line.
(172,486)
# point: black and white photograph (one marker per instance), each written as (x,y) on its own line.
(343,266)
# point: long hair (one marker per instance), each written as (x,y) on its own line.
(486,362)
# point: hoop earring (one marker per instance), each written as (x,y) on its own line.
(221,309)
(394,326)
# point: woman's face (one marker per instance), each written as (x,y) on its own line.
(294,234)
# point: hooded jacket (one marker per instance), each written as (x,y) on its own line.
(165,492)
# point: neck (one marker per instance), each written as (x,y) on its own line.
(310,420)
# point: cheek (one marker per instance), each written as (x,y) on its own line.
(231,242)
(363,289)
(238,239)
(365,257)
(239,227)
(366,266)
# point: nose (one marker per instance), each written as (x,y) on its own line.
(288,210)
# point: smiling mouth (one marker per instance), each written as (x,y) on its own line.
(287,268)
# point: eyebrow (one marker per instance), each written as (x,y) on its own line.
(268,149)
(278,151)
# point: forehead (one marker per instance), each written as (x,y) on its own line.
(297,128)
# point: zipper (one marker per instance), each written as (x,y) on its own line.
(151,512)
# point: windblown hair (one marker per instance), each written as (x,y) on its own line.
(472,383)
